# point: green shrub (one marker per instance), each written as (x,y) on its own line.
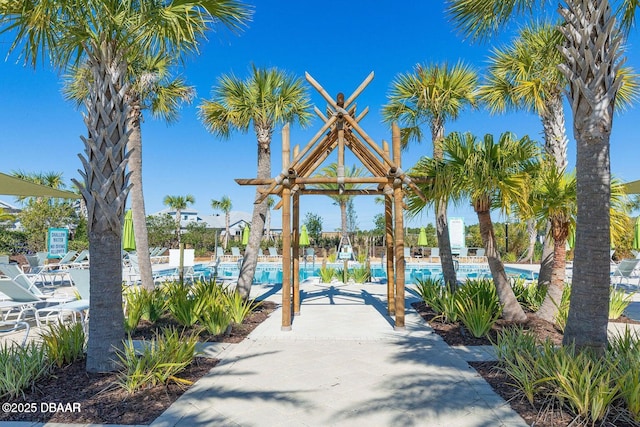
(327,274)
(478,316)
(21,367)
(360,274)
(624,351)
(528,294)
(215,319)
(134,307)
(619,300)
(439,297)
(155,303)
(158,362)
(64,343)
(563,308)
(182,305)
(238,307)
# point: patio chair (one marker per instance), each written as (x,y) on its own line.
(76,310)
(435,255)
(463,254)
(21,300)
(273,253)
(64,261)
(10,328)
(4,259)
(235,253)
(80,261)
(625,270)
(26,280)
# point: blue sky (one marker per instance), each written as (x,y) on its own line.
(339,43)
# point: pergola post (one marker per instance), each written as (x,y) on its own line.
(399,226)
(296,253)
(286,236)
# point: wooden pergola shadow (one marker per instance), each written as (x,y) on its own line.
(341,130)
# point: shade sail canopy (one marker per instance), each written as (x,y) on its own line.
(632,187)
(12,186)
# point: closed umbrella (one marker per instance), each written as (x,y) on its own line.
(422,239)
(245,235)
(304,236)
(636,235)
(128,239)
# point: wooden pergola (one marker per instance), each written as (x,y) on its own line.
(341,130)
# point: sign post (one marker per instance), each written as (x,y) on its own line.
(57,242)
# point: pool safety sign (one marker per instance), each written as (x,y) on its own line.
(57,242)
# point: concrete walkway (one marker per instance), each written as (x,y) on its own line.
(342,364)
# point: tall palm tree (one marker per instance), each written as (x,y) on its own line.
(592,54)
(493,174)
(151,87)
(104,35)
(266,99)
(224,205)
(342,200)
(179,203)
(432,95)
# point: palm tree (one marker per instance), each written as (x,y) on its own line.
(266,99)
(104,36)
(432,95)
(224,205)
(151,87)
(342,200)
(555,203)
(179,203)
(493,174)
(592,54)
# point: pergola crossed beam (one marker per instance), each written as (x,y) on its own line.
(341,129)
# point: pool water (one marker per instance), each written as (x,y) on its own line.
(269,272)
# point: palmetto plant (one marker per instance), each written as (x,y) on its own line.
(266,99)
(432,95)
(104,36)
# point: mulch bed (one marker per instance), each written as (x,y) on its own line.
(71,395)
(539,414)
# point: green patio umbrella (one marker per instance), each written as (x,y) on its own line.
(571,239)
(422,237)
(636,235)
(422,240)
(128,239)
(245,235)
(304,236)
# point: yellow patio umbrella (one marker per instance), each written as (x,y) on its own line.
(636,235)
(128,239)
(304,236)
(245,235)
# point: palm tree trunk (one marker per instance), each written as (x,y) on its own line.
(248,269)
(442,221)
(591,32)
(511,311)
(343,220)
(555,133)
(134,147)
(227,229)
(546,263)
(104,189)
(444,245)
(532,232)
(549,308)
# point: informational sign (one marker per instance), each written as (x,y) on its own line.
(346,252)
(57,242)
(456,233)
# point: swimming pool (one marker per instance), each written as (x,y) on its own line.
(271,272)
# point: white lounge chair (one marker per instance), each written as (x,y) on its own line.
(10,328)
(76,310)
(20,301)
(625,270)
